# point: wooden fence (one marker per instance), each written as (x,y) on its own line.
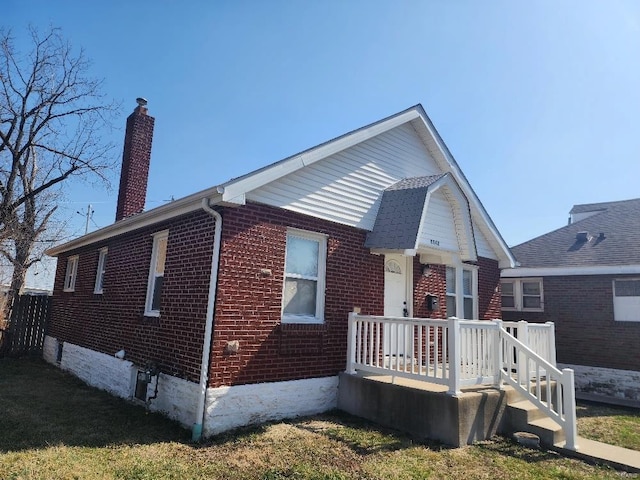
(26,330)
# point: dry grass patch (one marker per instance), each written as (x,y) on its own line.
(53,427)
(609,424)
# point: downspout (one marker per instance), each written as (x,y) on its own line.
(208,329)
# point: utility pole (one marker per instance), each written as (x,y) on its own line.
(87,216)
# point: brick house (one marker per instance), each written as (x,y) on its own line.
(230,306)
(585,277)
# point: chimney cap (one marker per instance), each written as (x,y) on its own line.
(141,101)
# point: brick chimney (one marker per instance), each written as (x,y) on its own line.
(135,162)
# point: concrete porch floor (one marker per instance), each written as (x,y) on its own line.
(477,412)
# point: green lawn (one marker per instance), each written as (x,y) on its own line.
(615,425)
(54,427)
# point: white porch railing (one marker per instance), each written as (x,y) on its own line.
(458,353)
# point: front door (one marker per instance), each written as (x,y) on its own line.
(397,303)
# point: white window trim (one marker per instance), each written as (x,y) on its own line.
(102,257)
(321,278)
(616,314)
(459,289)
(518,294)
(148,310)
(71,273)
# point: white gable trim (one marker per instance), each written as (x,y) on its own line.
(419,119)
(269,174)
(506,258)
(570,271)
(462,218)
(159,214)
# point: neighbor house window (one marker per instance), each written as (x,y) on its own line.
(304,277)
(523,294)
(70,274)
(156,274)
(102,263)
(626,300)
(461,290)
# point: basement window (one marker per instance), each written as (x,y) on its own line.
(70,274)
(156,274)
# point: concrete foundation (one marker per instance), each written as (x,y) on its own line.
(424,413)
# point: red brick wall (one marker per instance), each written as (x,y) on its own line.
(115,319)
(248,306)
(586,333)
(436,284)
(136,156)
(489,301)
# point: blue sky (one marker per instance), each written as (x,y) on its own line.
(537,101)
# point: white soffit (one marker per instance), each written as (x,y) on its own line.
(571,271)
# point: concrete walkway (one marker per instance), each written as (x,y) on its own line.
(603,454)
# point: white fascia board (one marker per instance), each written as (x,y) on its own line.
(507,260)
(159,214)
(243,185)
(570,271)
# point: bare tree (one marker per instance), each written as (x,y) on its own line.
(53,118)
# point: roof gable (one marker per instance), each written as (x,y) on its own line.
(400,146)
(266,185)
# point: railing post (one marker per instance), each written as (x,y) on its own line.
(497,353)
(351,344)
(453,340)
(552,343)
(523,336)
(569,407)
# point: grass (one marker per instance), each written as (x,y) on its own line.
(54,427)
(604,423)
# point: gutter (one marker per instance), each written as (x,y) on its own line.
(208,330)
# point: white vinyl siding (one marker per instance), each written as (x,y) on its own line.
(523,294)
(102,264)
(304,278)
(626,300)
(71,273)
(482,245)
(346,187)
(156,274)
(439,225)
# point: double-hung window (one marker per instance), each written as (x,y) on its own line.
(102,264)
(461,291)
(304,277)
(626,300)
(70,274)
(522,294)
(156,274)
(451,292)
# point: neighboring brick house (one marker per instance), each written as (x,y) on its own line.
(230,306)
(585,277)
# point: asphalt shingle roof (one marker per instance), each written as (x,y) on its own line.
(619,222)
(398,220)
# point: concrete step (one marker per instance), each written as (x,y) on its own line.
(522,412)
(550,432)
